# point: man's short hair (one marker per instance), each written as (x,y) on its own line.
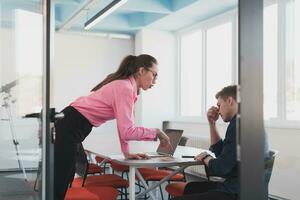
(229,91)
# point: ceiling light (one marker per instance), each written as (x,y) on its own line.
(104,13)
(81,12)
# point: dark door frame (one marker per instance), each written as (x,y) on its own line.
(251,124)
(48,147)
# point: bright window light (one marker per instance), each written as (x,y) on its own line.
(293,61)
(270,62)
(191,74)
(219,60)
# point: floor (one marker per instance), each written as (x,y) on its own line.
(14,187)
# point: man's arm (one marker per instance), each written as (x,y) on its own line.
(212,117)
(226,161)
(215,139)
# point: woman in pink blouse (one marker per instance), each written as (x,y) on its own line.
(113,98)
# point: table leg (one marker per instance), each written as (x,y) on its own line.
(131,183)
(151,193)
(161,181)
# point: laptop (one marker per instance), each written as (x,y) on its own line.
(175,136)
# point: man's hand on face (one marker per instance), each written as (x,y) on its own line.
(212,114)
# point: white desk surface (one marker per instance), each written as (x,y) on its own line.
(153,162)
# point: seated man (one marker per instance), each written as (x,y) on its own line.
(225,164)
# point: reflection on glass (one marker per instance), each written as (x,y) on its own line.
(21,38)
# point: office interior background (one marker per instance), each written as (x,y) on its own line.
(196,45)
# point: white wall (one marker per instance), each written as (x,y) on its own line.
(158,103)
(285,180)
(80,63)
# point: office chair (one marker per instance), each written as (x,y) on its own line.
(106,164)
(105,180)
(152,174)
(93,168)
(177,189)
(183,141)
(91,193)
(269,163)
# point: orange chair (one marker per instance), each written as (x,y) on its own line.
(176,189)
(94,169)
(124,169)
(152,174)
(149,174)
(91,193)
(109,180)
(100,160)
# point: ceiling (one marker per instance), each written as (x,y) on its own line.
(170,15)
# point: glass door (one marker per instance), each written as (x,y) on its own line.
(23,36)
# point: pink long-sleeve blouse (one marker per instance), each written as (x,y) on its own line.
(115,100)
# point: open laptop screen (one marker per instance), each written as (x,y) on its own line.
(174,136)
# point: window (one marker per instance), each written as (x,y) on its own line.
(206,63)
(281,61)
(292,60)
(270,70)
(219,60)
(191,73)
(208,56)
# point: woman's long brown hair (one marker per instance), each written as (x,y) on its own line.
(129,66)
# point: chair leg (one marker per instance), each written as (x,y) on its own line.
(121,192)
(126,193)
(140,187)
(161,193)
(104,168)
(145,197)
(127,175)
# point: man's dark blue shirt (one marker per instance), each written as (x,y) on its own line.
(225,164)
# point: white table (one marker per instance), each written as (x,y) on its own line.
(182,163)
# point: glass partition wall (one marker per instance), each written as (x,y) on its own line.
(21,87)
